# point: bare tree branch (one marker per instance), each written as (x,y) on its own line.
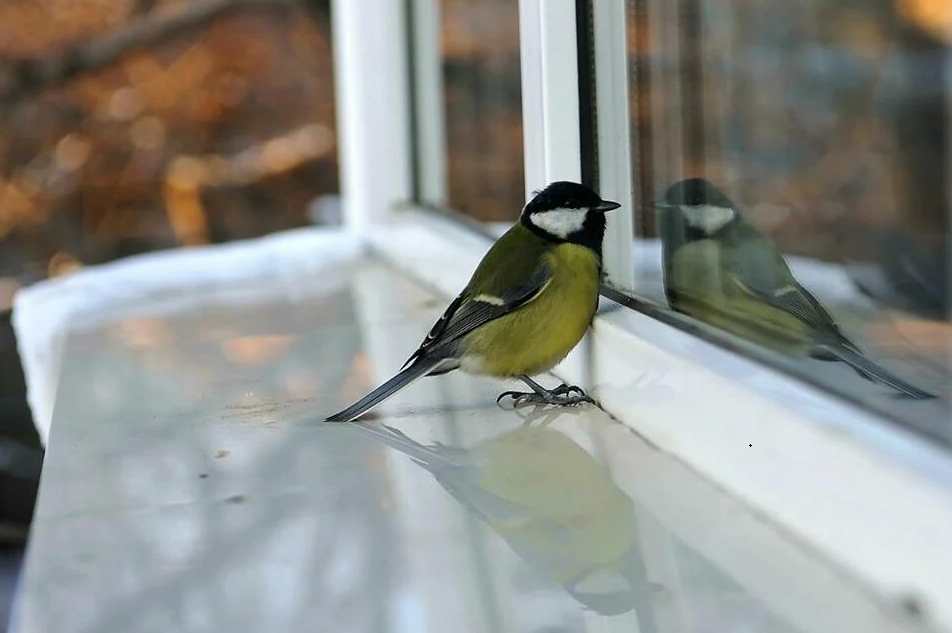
(25,78)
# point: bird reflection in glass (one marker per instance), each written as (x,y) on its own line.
(720,270)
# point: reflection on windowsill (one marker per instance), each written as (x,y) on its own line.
(552,502)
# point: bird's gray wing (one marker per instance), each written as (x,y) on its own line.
(800,303)
(471,309)
(762,272)
(792,299)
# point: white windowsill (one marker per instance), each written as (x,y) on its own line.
(874,499)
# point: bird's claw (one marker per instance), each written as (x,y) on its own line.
(516,396)
(563,390)
(563,395)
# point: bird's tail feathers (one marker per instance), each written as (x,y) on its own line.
(873,372)
(416,370)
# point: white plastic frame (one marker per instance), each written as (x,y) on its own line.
(550,112)
(430,143)
(371,77)
(613,134)
(873,499)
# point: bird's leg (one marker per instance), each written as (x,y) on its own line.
(561,395)
(536,387)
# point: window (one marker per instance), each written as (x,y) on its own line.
(822,130)
(481,106)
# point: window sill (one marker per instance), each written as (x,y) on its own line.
(872,498)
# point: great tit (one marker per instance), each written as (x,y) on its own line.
(722,271)
(527,305)
(553,503)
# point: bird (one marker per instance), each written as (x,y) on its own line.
(554,504)
(529,302)
(720,270)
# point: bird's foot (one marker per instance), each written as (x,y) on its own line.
(563,395)
(567,390)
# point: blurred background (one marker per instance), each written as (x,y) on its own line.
(482,107)
(136,125)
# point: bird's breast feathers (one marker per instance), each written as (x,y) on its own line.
(538,335)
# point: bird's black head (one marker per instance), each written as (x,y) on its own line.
(702,207)
(568,212)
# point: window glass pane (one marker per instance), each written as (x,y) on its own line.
(821,230)
(482,107)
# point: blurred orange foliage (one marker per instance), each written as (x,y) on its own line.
(208,134)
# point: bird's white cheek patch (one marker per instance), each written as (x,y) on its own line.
(706,217)
(559,222)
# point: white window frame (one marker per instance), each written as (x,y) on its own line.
(872,498)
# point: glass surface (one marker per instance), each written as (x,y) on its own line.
(190,486)
(482,108)
(826,126)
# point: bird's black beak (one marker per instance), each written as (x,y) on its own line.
(606,205)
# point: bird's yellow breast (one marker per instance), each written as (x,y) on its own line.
(537,336)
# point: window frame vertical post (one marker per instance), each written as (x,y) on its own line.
(372,98)
(550,89)
(613,136)
(429,144)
